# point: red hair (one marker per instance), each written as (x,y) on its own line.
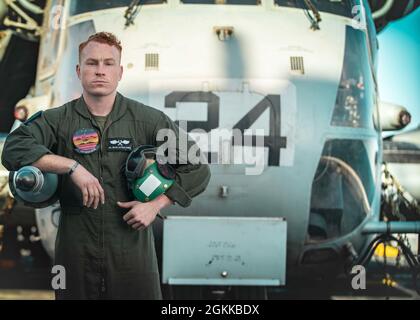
(102,37)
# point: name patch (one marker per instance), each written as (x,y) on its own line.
(119,144)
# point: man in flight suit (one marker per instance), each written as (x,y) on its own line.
(104,240)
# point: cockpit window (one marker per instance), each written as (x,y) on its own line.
(342,8)
(242,2)
(82,6)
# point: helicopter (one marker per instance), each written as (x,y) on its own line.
(299,77)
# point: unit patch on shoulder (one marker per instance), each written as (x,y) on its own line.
(119,144)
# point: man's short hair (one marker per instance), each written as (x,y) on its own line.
(102,37)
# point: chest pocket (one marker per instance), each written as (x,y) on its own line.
(80,141)
(118,141)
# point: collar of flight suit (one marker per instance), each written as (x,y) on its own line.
(118,109)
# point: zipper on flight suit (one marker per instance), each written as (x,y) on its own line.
(102,264)
(102,267)
(103,287)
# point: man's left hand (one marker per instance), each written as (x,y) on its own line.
(141,215)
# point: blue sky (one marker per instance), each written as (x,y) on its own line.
(399,64)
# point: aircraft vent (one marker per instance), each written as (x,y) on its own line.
(152,61)
(296,64)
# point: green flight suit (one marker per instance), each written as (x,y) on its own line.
(103,256)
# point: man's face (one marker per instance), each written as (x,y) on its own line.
(99,69)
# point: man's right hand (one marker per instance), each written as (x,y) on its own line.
(83,179)
(89,186)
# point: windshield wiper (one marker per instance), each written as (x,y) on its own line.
(131,12)
(316,18)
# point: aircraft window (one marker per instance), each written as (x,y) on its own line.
(240,2)
(342,8)
(343,187)
(82,6)
(373,41)
(355,103)
(66,84)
